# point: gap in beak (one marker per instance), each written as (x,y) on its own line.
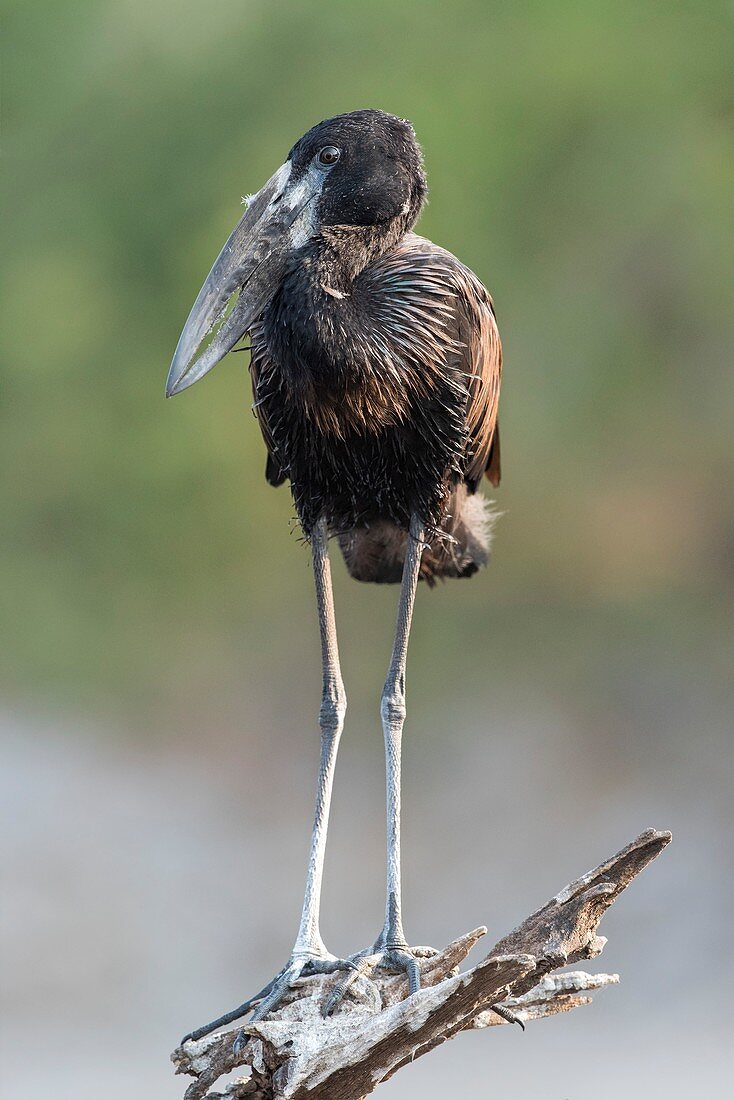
(211,335)
(207,341)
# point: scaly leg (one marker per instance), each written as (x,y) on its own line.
(309,954)
(331,723)
(392,710)
(391,948)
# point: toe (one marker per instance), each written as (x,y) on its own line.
(361,966)
(406,961)
(326,966)
(280,987)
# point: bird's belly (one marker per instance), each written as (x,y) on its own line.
(360,479)
(385,456)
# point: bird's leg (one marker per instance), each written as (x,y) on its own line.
(331,722)
(392,710)
(391,948)
(309,953)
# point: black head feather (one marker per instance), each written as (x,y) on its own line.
(378,176)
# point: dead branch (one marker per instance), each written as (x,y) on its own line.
(296,1054)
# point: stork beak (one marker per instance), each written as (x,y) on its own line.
(252,261)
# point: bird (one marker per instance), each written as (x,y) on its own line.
(376,363)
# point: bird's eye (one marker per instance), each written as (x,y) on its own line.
(329,155)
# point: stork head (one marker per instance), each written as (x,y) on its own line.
(362,170)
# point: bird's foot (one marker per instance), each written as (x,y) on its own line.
(396,958)
(302,964)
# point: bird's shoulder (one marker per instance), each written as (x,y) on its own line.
(439,267)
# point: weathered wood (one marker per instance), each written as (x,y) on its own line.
(296,1054)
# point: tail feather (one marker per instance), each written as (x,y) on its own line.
(461,546)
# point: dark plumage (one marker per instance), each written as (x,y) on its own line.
(376,366)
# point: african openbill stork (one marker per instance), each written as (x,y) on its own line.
(376,366)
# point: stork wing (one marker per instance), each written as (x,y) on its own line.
(484,362)
(477,355)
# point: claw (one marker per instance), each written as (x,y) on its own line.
(239,1043)
(507,1016)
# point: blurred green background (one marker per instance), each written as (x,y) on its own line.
(155,591)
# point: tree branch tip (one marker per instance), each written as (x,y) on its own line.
(663,835)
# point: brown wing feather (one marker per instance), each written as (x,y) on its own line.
(484,366)
(479,358)
(493,473)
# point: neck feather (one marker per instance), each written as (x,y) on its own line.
(346,250)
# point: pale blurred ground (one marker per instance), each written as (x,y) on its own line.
(149,889)
(160,672)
